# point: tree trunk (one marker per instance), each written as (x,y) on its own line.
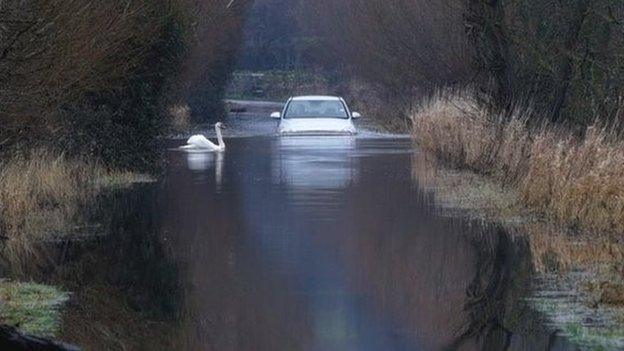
(485,27)
(567,68)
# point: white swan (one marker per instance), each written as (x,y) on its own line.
(200,142)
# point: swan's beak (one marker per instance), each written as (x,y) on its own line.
(224,126)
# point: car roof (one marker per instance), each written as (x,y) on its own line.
(315,98)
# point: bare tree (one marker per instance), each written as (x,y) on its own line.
(95,76)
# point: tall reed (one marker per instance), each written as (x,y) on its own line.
(41,192)
(574,181)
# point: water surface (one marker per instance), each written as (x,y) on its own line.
(297,243)
(328,243)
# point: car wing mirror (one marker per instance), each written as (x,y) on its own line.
(356,115)
(276,115)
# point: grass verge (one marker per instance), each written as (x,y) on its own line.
(31,307)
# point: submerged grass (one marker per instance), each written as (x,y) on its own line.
(102,318)
(573,181)
(31,307)
(473,194)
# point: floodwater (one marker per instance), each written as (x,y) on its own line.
(294,243)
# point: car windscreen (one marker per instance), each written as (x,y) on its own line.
(316,109)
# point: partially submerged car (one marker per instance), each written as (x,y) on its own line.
(316,115)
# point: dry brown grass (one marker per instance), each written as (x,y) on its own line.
(553,250)
(43,194)
(573,181)
(42,191)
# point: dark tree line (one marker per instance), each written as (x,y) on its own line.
(95,78)
(216,36)
(565,57)
(274,38)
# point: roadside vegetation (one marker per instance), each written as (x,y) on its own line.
(88,87)
(560,190)
(32,307)
(99,84)
(44,193)
(574,181)
(41,193)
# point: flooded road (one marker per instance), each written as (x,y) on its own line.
(296,243)
(327,243)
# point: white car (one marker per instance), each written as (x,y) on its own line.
(316,115)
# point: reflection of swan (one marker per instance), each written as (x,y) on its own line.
(200,142)
(202,161)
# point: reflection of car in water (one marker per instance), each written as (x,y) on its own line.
(316,115)
(315,162)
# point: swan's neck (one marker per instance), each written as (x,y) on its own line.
(220,137)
